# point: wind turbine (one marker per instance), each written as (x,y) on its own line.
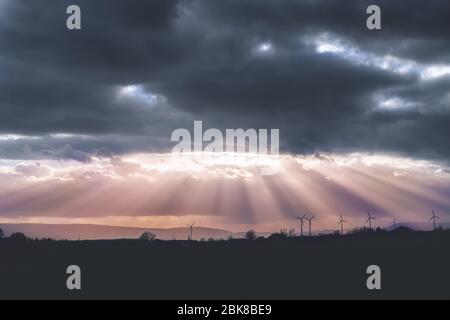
(369,220)
(192,230)
(341,222)
(302,222)
(434,217)
(310,223)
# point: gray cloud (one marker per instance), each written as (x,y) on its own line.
(203,60)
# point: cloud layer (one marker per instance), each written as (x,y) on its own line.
(86,117)
(310,68)
(226,191)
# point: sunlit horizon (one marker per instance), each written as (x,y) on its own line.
(224,191)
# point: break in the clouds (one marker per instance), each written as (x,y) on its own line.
(223,191)
(140,69)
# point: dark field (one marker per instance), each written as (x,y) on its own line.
(414,265)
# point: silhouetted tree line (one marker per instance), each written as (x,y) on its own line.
(367,230)
(250,235)
(21,237)
(18,236)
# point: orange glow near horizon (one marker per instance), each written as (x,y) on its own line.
(224,191)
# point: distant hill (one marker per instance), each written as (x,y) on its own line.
(101,232)
(97,232)
(423,226)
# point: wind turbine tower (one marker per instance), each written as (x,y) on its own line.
(370,219)
(310,223)
(341,222)
(191,226)
(434,217)
(302,223)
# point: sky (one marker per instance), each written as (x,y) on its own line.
(86,116)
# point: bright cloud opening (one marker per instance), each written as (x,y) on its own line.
(225,190)
(326,43)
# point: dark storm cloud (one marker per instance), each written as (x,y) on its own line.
(410,28)
(422,129)
(203,60)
